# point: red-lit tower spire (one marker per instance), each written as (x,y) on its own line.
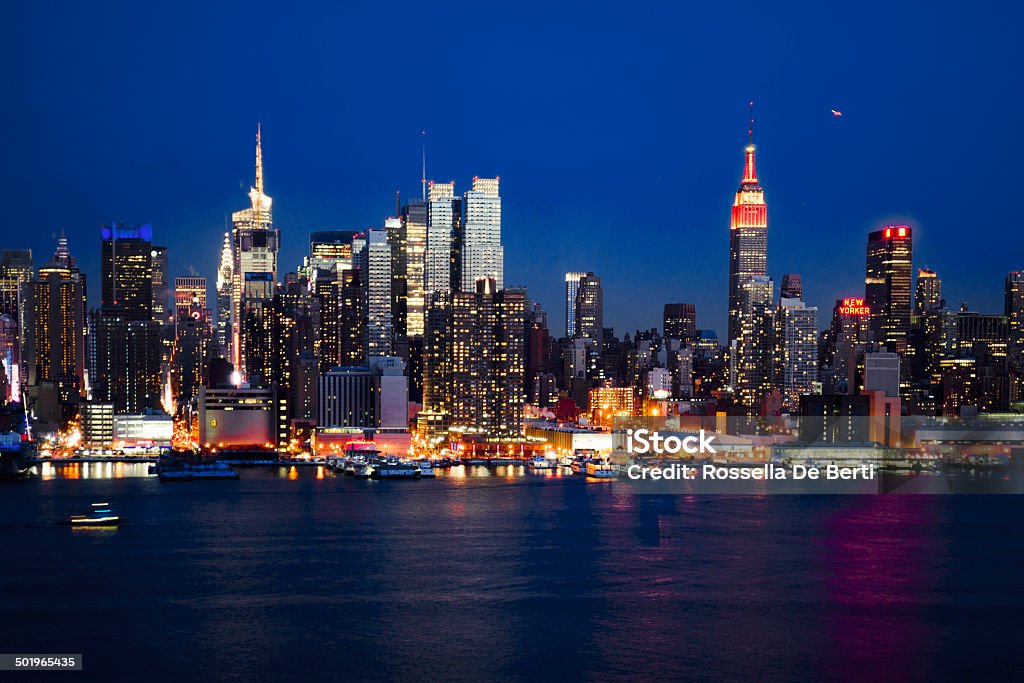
(748,232)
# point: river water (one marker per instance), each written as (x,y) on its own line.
(293,574)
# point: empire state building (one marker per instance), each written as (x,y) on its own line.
(748,237)
(254,242)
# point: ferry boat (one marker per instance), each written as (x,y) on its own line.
(17,448)
(352,465)
(426,468)
(393,468)
(184,468)
(16,455)
(579,465)
(539,462)
(100,515)
(601,470)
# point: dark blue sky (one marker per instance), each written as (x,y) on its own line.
(617,131)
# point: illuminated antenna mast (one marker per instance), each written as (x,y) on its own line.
(423,180)
(259,161)
(750,131)
(749,172)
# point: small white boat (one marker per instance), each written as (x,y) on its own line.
(539,462)
(601,470)
(426,468)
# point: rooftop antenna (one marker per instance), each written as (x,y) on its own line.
(750,131)
(423,180)
(259,160)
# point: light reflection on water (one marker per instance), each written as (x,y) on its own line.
(541,576)
(125,470)
(91,470)
(959,482)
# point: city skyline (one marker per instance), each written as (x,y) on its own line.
(577,184)
(541,295)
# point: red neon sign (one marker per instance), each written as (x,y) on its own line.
(854,307)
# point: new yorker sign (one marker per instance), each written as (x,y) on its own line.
(854,307)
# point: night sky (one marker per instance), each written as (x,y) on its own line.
(617,131)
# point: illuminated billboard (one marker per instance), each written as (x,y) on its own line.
(854,307)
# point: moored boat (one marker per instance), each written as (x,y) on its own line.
(579,465)
(539,462)
(17,448)
(16,455)
(601,469)
(185,468)
(393,468)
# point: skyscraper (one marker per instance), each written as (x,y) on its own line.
(590,309)
(796,350)
(473,360)
(125,367)
(679,321)
(255,244)
(843,344)
(17,263)
(929,291)
(444,219)
(257,328)
(792,286)
(752,350)
(748,236)
(379,329)
(887,285)
(480,252)
(330,250)
(192,339)
(189,293)
(399,246)
(225,288)
(126,255)
(1014,311)
(161,290)
(127,355)
(572,285)
(537,340)
(351,321)
(414,243)
(16,318)
(59,316)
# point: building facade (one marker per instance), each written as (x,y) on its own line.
(254,246)
(748,239)
(887,285)
(481,255)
